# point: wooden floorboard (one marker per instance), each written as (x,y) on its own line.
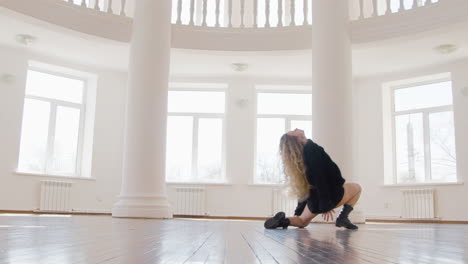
(102,239)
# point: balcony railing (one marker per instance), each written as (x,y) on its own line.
(253,13)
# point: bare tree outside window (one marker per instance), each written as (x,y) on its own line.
(424,134)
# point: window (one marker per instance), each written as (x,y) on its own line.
(424,137)
(277,113)
(195,138)
(53,124)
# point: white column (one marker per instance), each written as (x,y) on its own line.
(332,85)
(143,192)
(332,80)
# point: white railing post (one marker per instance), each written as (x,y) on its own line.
(306,8)
(389,8)
(192,12)
(96,5)
(255,15)
(230,14)
(267,13)
(205,7)
(402,6)
(217,13)
(374,8)
(109,8)
(179,12)
(242,13)
(280,13)
(361,9)
(123,4)
(292,8)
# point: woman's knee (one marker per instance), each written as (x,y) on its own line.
(358,188)
(354,187)
(304,222)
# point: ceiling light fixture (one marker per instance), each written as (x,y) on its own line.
(446,48)
(239,67)
(25,39)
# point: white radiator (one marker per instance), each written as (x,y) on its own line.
(418,203)
(282,203)
(55,196)
(189,201)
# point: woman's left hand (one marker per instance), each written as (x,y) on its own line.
(328,215)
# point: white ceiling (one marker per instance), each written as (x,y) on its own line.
(394,55)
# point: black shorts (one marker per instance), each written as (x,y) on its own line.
(313,201)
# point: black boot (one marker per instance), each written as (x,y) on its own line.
(342,220)
(279,220)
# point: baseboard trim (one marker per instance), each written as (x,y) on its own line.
(37,212)
(222,217)
(369,220)
(416,221)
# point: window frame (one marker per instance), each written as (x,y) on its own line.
(287,121)
(54,104)
(426,112)
(196,117)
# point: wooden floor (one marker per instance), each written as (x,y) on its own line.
(102,239)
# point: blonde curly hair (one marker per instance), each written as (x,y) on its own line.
(293,165)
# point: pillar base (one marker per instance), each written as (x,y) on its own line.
(143,206)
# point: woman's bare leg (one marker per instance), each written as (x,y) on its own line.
(303,220)
(352,192)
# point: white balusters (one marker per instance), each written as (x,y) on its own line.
(389,8)
(179,12)
(230,14)
(402,6)
(267,13)
(374,8)
(306,8)
(280,13)
(292,8)
(109,7)
(192,12)
(242,13)
(255,25)
(217,13)
(122,7)
(205,7)
(361,9)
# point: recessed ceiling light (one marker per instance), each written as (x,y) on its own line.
(25,39)
(239,67)
(446,48)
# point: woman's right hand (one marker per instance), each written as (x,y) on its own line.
(328,215)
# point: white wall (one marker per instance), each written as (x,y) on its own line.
(386,202)
(239,197)
(20,192)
